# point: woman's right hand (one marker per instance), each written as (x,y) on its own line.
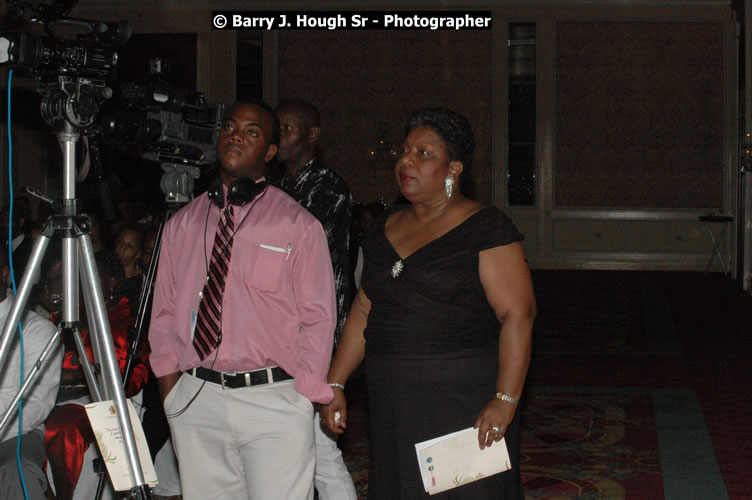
(334,415)
(350,353)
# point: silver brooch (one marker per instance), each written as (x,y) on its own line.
(397,268)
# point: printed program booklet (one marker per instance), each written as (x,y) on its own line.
(104,423)
(455,459)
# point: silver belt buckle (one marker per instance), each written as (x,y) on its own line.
(222,377)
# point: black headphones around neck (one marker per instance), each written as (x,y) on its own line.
(242,190)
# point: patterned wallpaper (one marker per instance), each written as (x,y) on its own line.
(364,81)
(639,114)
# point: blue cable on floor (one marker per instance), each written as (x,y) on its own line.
(13,282)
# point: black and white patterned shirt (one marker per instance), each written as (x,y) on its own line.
(327,197)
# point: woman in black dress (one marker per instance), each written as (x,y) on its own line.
(443,318)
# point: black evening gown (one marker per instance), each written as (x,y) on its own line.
(431,354)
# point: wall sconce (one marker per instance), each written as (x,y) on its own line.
(382,155)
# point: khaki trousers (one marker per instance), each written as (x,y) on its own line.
(253,443)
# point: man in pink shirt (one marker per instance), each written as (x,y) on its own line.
(241,412)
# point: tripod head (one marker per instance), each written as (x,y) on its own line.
(71,103)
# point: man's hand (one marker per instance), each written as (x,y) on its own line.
(166,384)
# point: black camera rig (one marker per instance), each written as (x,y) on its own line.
(174,127)
(166,124)
(71,74)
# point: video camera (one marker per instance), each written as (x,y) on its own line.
(91,55)
(70,73)
(174,127)
(166,124)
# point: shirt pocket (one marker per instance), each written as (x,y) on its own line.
(267,266)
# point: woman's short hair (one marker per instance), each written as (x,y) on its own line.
(452,127)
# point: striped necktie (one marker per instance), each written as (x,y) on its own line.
(207,335)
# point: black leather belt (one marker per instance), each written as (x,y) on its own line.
(234,380)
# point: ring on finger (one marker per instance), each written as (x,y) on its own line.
(496,429)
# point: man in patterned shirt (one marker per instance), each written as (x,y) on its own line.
(327,197)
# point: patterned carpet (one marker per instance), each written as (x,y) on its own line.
(596,445)
(638,389)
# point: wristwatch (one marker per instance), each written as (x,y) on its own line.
(508,399)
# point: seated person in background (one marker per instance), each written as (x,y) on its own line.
(37,404)
(68,431)
(128,247)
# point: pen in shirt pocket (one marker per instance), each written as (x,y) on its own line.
(287,250)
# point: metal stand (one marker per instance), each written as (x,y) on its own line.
(73,228)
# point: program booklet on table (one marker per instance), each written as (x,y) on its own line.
(455,459)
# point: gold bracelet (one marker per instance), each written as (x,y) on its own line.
(508,399)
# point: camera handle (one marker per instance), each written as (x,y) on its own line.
(76,242)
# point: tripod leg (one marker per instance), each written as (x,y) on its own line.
(89,373)
(70,311)
(96,343)
(22,296)
(109,362)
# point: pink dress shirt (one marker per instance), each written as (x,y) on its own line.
(278,306)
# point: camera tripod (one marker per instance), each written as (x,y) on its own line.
(104,383)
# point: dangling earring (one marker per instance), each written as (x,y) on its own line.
(448,185)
